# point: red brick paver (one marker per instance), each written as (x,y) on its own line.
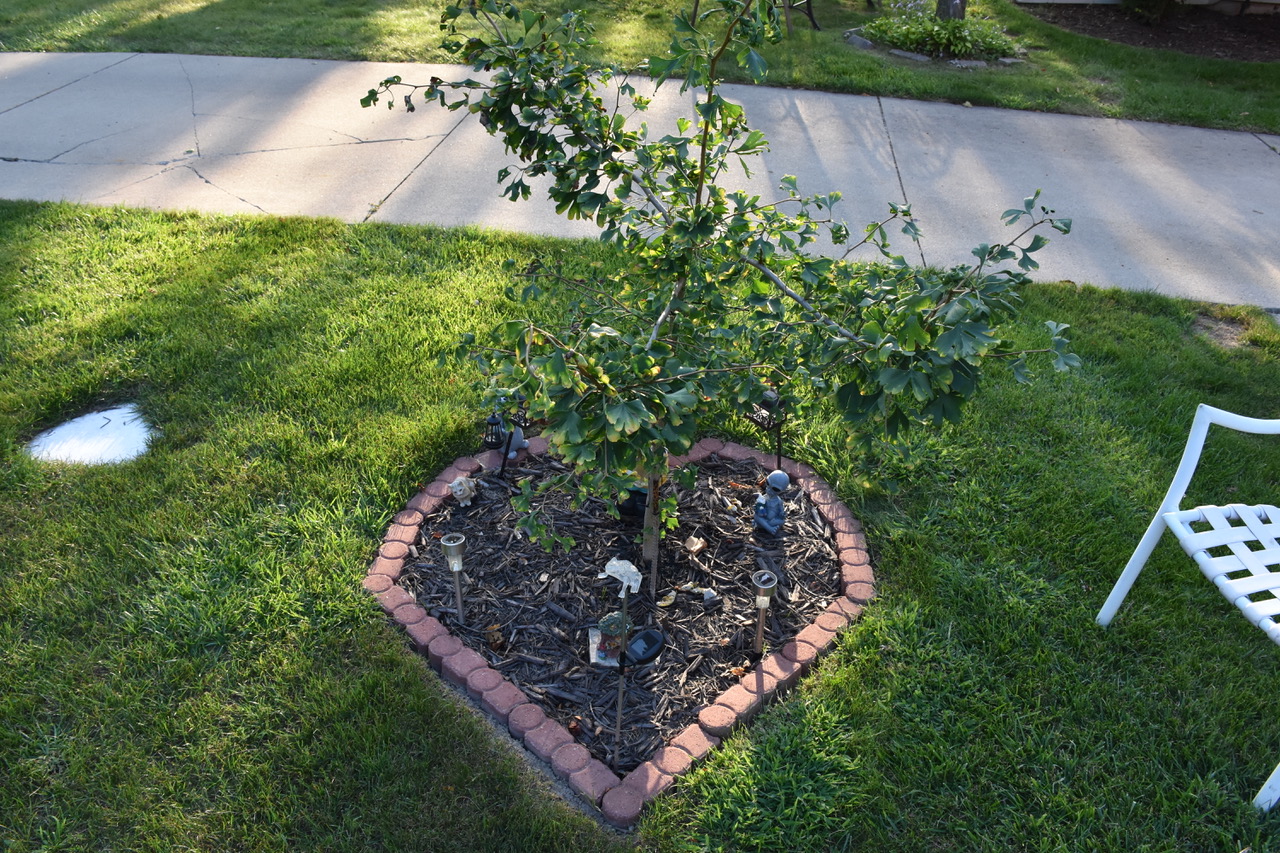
(424,632)
(502,700)
(546,739)
(481,680)
(621,806)
(393,598)
(695,741)
(569,759)
(524,719)
(671,760)
(648,781)
(592,781)
(409,614)
(785,671)
(441,647)
(377,583)
(717,720)
(801,652)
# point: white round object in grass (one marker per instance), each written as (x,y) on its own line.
(97,438)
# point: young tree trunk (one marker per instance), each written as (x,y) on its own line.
(652,531)
(948,10)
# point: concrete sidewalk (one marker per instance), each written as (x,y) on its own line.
(1176,210)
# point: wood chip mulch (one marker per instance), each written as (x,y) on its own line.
(528,611)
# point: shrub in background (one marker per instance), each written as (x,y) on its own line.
(967,38)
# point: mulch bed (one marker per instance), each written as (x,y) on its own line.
(528,612)
(1190,29)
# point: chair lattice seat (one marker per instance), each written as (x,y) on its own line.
(1236,546)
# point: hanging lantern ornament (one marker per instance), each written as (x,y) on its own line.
(770,414)
(520,417)
(494,435)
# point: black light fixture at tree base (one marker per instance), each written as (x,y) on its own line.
(519,420)
(770,414)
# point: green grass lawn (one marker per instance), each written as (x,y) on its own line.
(1064,73)
(189,661)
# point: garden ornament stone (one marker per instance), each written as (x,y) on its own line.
(464,489)
(770,513)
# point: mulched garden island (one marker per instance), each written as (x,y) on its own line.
(522,648)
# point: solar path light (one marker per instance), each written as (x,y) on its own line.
(766,584)
(453,544)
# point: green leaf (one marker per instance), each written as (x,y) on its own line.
(566,430)
(557,371)
(944,408)
(678,404)
(920,386)
(754,64)
(625,419)
(893,379)
(855,405)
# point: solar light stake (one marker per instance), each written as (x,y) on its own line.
(640,650)
(622,678)
(452,544)
(766,584)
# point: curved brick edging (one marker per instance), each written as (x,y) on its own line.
(620,800)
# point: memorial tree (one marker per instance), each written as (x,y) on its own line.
(719,298)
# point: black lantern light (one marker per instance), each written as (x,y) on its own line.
(519,418)
(494,434)
(770,414)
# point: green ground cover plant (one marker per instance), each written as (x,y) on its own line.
(191,664)
(1064,73)
(959,38)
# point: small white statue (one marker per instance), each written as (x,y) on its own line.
(464,489)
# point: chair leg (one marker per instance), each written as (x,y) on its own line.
(1270,791)
(1131,570)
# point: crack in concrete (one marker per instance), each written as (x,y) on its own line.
(80,79)
(196,172)
(80,145)
(169,168)
(195,116)
(355,141)
(1274,149)
(897,168)
(376,206)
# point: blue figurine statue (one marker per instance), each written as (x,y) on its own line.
(770,513)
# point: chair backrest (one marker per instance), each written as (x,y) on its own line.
(1207,416)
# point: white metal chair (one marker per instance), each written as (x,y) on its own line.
(1235,546)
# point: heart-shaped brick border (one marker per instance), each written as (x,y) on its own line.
(621,800)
